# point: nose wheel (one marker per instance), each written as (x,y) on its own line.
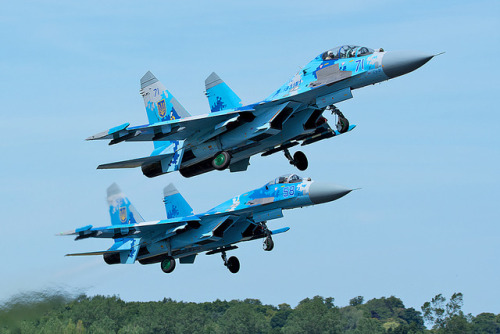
(232,264)
(268,243)
(299,159)
(342,122)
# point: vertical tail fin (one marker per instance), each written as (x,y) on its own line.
(220,96)
(175,204)
(121,210)
(160,104)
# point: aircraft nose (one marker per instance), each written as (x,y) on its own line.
(396,63)
(325,192)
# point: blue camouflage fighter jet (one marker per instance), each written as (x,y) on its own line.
(184,234)
(232,133)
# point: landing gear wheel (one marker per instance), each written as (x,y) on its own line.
(168,265)
(221,160)
(300,160)
(342,124)
(268,244)
(233,264)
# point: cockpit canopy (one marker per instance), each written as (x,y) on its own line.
(346,51)
(287,178)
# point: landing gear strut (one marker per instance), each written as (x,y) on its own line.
(342,122)
(268,243)
(233,264)
(299,159)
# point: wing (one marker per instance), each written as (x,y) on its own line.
(151,230)
(177,129)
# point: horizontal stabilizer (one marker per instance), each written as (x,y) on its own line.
(136,162)
(92,253)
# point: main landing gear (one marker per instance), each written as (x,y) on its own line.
(342,122)
(168,265)
(233,264)
(221,160)
(299,159)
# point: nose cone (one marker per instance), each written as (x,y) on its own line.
(325,192)
(396,63)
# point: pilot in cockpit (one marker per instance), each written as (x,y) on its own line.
(329,55)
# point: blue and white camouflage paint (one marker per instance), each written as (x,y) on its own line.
(291,115)
(185,234)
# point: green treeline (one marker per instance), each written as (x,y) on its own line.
(100,314)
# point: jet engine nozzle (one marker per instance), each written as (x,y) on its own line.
(396,63)
(325,192)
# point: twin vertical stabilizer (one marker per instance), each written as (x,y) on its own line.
(220,96)
(175,204)
(160,104)
(121,210)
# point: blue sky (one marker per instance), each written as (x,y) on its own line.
(425,151)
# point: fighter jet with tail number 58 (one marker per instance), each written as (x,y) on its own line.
(184,234)
(232,133)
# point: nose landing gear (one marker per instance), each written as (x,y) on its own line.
(268,243)
(342,122)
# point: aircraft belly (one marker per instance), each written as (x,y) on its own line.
(292,128)
(243,142)
(243,133)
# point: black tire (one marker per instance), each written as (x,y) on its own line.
(300,160)
(168,265)
(268,244)
(233,264)
(342,124)
(221,160)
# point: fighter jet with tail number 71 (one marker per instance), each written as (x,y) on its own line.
(232,133)
(184,234)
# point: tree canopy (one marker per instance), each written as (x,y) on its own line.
(41,313)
